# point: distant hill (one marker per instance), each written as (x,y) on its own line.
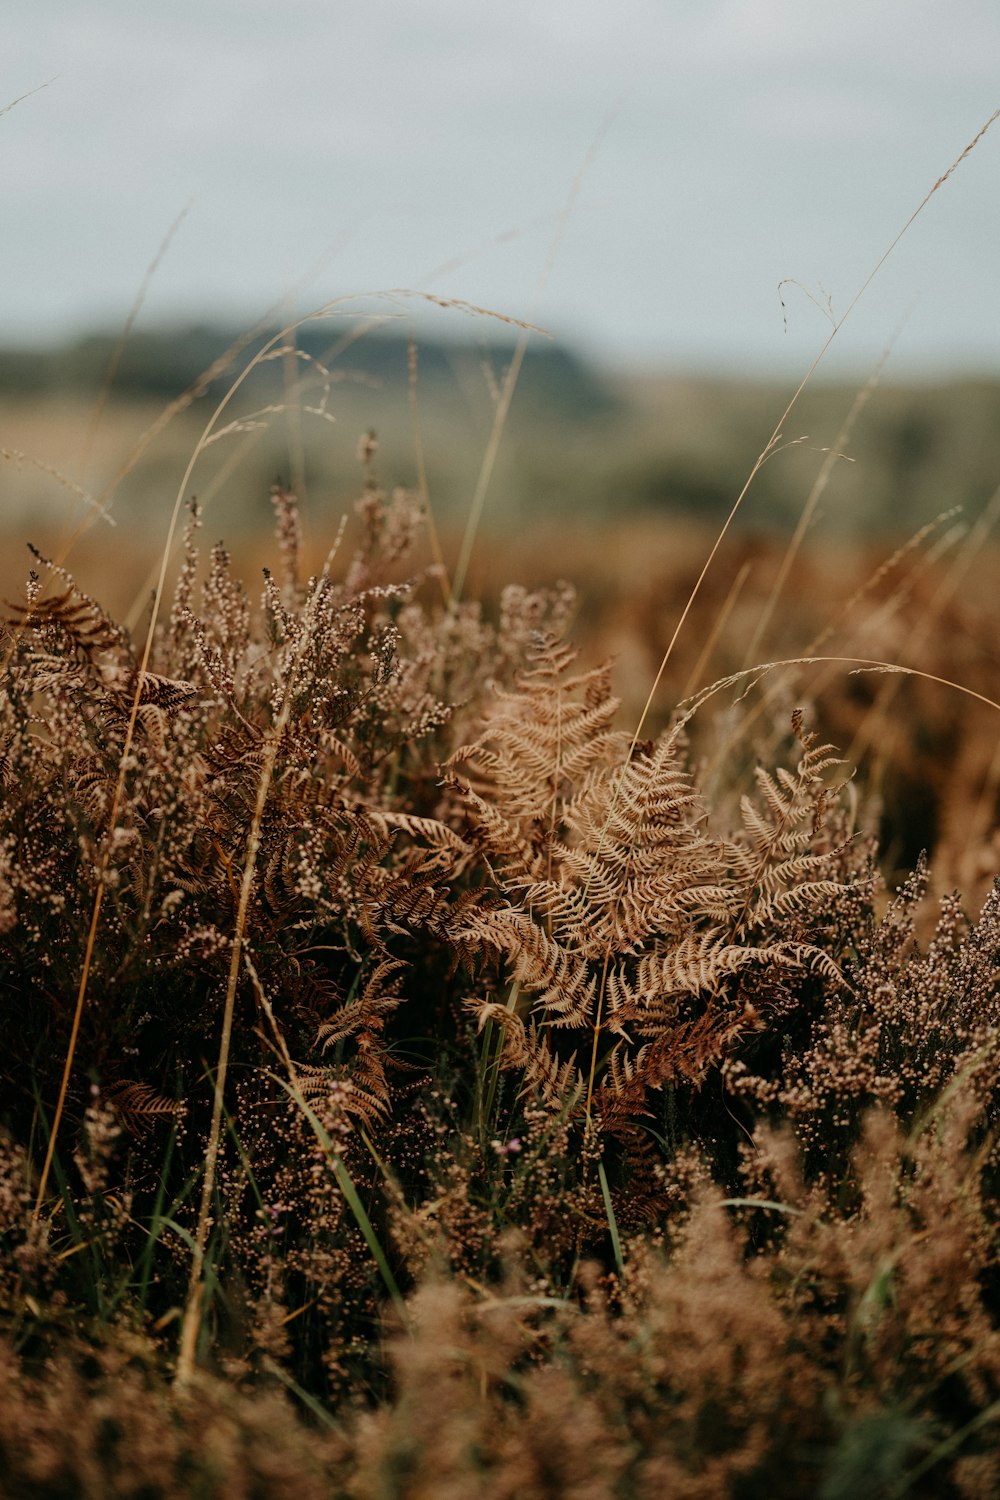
(161,363)
(581,444)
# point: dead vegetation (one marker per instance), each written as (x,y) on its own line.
(586,1128)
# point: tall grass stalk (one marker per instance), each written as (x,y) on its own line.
(192,1312)
(513,371)
(117,796)
(775,437)
(767,452)
(116,354)
(834,454)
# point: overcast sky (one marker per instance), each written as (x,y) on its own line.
(434,143)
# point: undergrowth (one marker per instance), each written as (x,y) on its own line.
(572,1137)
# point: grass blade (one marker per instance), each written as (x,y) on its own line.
(616,1243)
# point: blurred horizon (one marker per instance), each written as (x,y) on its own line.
(701,187)
(582,441)
(687,195)
(72,355)
(906,357)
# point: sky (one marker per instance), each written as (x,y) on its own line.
(639,177)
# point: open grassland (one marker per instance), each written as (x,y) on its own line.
(579,441)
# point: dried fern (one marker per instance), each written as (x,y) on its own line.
(637,935)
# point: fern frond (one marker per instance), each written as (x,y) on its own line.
(138,1107)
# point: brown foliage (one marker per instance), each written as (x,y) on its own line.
(588,1133)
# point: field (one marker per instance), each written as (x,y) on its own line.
(487,1011)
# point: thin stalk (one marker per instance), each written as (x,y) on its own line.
(766,453)
(718,626)
(883,571)
(491,1060)
(21,97)
(119,791)
(809,509)
(192,1312)
(616,1243)
(423,489)
(343,1178)
(868,732)
(124,336)
(514,370)
(118,796)
(857,663)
